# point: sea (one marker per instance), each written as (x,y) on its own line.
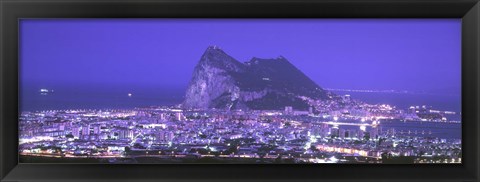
(121,97)
(99,97)
(417,128)
(442,102)
(445,102)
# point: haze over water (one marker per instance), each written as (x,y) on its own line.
(102,97)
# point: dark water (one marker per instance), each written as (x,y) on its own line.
(446,102)
(116,97)
(419,129)
(439,130)
(99,97)
(401,100)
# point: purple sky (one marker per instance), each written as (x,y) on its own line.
(402,54)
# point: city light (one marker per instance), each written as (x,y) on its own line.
(368,131)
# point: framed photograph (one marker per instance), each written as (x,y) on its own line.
(239,90)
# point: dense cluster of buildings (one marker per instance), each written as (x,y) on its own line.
(351,135)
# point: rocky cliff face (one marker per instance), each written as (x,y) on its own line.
(219,81)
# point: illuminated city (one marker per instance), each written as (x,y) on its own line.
(168,134)
(154,91)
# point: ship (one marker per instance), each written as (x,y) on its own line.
(44,91)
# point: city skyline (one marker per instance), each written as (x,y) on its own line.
(240,91)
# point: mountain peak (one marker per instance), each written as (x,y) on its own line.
(213,49)
(216,57)
(220,81)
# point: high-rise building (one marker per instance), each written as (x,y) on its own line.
(86,130)
(165,136)
(163,116)
(61,126)
(360,134)
(179,116)
(169,136)
(374,133)
(341,133)
(76,131)
(352,134)
(160,136)
(96,129)
(288,110)
(125,133)
(130,134)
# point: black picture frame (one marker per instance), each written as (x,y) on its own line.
(12,10)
